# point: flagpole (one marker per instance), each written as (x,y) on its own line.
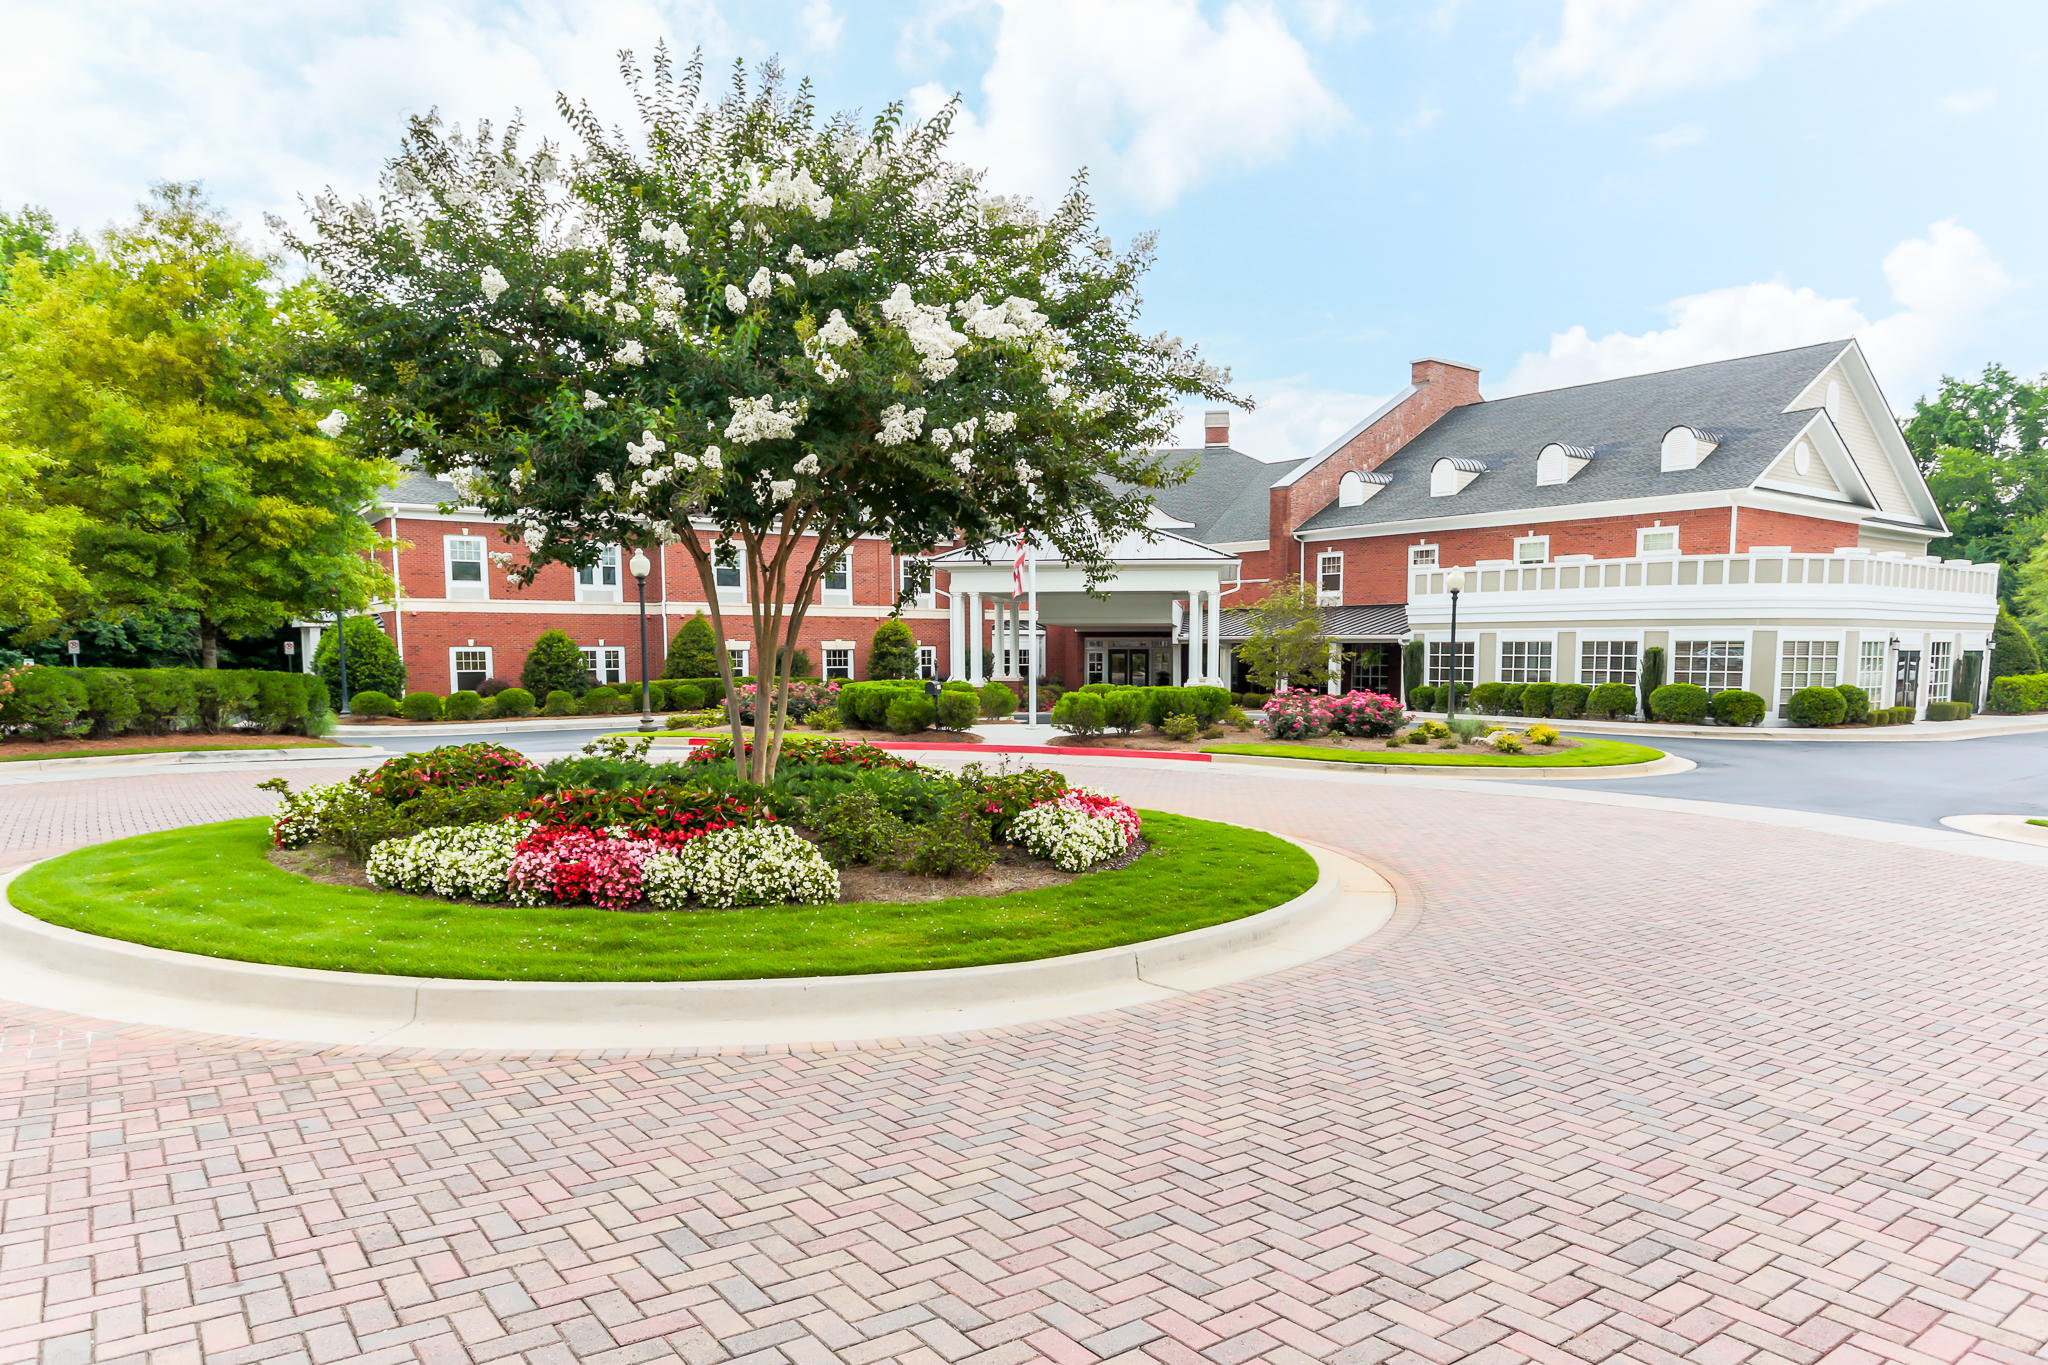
(1031,678)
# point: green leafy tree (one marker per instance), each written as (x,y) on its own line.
(373,662)
(892,653)
(554,664)
(1284,638)
(1983,447)
(2011,650)
(693,653)
(790,331)
(151,383)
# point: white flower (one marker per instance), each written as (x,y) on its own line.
(759,419)
(963,432)
(1057,394)
(762,283)
(963,460)
(712,459)
(829,370)
(674,238)
(488,357)
(785,279)
(333,424)
(686,462)
(899,427)
(630,353)
(555,296)
(781,490)
(494,283)
(942,437)
(1001,422)
(592,300)
(533,537)
(734,299)
(592,400)
(625,312)
(837,331)
(808,465)
(650,446)
(741,865)
(782,190)
(307,388)
(847,259)
(604,481)
(1026,475)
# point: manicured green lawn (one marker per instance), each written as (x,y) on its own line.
(57,749)
(1589,753)
(209,889)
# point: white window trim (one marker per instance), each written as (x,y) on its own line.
(1927,673)
(927,598)
(737,594)
(1329,597)
(1524,638)
(490,662)
(928,661)
(1644,532)
(1434,556)
(479,591)
(838,597)
(743,648)
(600,651)
(1520,541)
(599,592)
(1886,666)
(1598,634)
(1711,633)
(1780,698)
(1465,641)
(825,647)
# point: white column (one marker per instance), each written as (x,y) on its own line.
(1173,640)
(1012,638)
(956,635)
(977,640)
(1198,639)
(1331,673)
(1215,678)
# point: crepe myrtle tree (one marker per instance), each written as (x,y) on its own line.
(754,333)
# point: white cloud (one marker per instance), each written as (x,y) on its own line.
(1967,102)
(1327,19)
(1151,95)
(1421,121)
(1607,52)
(1678,137)
(1293,419)
(822,25)
(1940,283)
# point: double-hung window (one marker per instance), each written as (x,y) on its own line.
(1870,669)
(1806,663)
(606,664)
(1329,578)
(466,566)
(738,657)
(727,573)
(839,661)
(468,668)
(1525,661)
(1440,665)
(1422,556)
(1716,665)
(1607,661)
(838,586)
(1940,676)
(927,661)
(1532,550)
(599,582)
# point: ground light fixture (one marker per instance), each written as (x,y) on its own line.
(640,568)
(1454,583)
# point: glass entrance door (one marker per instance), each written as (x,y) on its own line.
(1130,667)
(1906,691)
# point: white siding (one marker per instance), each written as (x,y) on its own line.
(1861,438)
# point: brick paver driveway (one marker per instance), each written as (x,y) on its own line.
(1630,1085)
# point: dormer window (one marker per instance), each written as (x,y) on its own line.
(1357,486)
(1687,447)
(1557,462)
(1449,476)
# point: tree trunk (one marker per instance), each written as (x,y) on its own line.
(209,644)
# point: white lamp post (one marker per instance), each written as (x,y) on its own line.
(1454,583)
(639,567)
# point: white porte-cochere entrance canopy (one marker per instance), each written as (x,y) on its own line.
(1160,580)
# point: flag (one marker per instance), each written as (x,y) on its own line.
(1017,569)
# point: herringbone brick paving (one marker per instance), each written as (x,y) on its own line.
(1630,1086)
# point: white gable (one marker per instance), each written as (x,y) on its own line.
(1847,393)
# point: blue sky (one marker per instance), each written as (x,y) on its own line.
(1552,190)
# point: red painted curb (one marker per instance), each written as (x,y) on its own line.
(911,746)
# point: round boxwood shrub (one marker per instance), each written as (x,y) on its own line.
(373,703)
(514,701)
(1679,703)
(463,705)
(1733,706)
(47,702)
(1537,697)
(1210,704)
(602,701)
(1511,695)
(685,697)
(1612,701)
(1816,706)
(1568,700)
(956,710)
(1123,710)
(1078,713)
(421,706)
(910,712)
(1487,697)
(997,700)
(554,664)
(1856,704)
(559,703)
(1421,697)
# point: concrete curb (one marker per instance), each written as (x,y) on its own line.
(1661,767)
(486,727)
(2014,829)
(1919,732)
(172,758)
(55,968)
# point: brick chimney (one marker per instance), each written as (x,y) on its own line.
(1216,427)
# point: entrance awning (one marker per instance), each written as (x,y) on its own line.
(1388,622)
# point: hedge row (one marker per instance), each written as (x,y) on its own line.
(104,702)
(2016,693)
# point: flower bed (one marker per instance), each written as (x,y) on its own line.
(609,829)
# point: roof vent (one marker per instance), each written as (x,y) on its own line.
(1557,462)
(1358,485)
(1687,447)
(1450,475)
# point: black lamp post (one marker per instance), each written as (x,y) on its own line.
(639,567)
(1454,582)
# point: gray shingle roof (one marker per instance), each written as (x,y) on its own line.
(1622,421)
(1225,496)
(416,487)
(1339,623)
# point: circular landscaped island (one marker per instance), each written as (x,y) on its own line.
(470,863)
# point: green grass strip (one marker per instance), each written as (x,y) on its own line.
(56,752)
(1589,753)
(209,889)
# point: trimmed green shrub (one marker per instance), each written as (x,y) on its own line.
(554,664)
(1816,706)
(420,706)
(514,701)
(1123,710)
(1511,695)
(997,699)
(1612,701)
(684,696)
(110,705)
(1079,713)
(1652,675)
(165,698)
(221,697)
(892,651)
(1679,703)
(910,713)
(1568,700)
(1733,706)
(1900,715)
(692,650)
(559,703)
(1255,701)
(287,702)
(1855,704)
(958,685)
(1180,728)
(1948,710)
(46,701)
(2017,693)
(1536,699)
(2012,650)
(372,704)
(1161,702)
(1487,697)
(602,701)
(1413,657)
(867,703)
(1211,704)
(1421,697)
(1097,689)
(958,710)
(462,705)
(373,662)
